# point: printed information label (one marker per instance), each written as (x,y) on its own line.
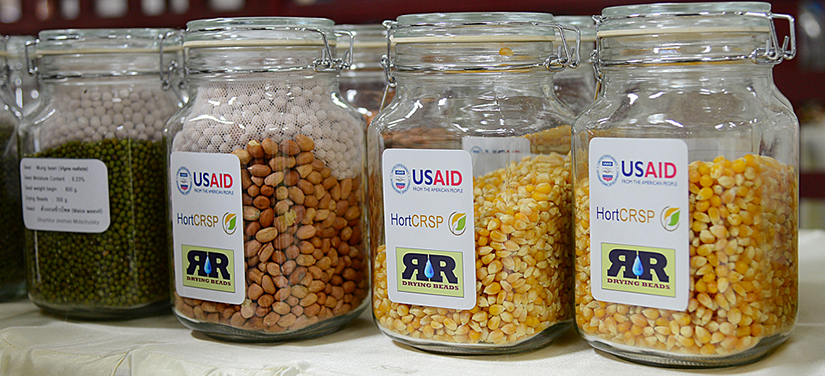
(639,222)
(67,195)
(429,227)
(207,225)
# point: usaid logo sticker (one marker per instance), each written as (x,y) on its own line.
(183,179)
(400,178)
(607,170)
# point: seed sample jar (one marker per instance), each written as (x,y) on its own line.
(471,195)
(267,188)
(12,264)
(686,188)
(576,88)
(92,172)
(363,84)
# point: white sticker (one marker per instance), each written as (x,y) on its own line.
(429,224)
(639,222)
(67,195)
(207,227)
(491,153)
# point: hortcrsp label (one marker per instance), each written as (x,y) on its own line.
(429,227)
(207,225)
(639,222)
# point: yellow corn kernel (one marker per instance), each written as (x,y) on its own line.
(704,194)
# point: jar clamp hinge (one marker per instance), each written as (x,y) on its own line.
(168,71)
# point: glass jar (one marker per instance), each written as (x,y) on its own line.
(692,210)
(12,264)
(470,185)
(576,88)
(92,174)
(363,85)
(267,164)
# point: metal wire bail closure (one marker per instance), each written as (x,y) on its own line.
(784,52)
(345,62)
(565,58)
(327,61)
(772,53)
(567,61)
(386,61)
(167,71)
(31,65)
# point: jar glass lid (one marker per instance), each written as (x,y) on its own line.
(259,31)
(473,27)
(693,32)
(749,17)
(105,41)
(80,52)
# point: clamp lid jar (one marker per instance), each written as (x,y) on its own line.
(266,162)
(686,187)
(92,172)
(470,185)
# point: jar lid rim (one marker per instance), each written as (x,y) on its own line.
(675,9)
(458,17)
(128,33)
(216,24)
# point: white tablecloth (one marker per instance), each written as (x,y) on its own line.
(32,343)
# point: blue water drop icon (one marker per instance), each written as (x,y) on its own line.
(638,270)
(428,269)
(208,267)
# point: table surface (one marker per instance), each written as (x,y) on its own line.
(33,343)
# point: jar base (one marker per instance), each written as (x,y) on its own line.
(103,313)
(231,334)
(670,360)
(539,340)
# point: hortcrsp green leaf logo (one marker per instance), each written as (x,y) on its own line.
(230,224)
(458,223)
(670,218)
